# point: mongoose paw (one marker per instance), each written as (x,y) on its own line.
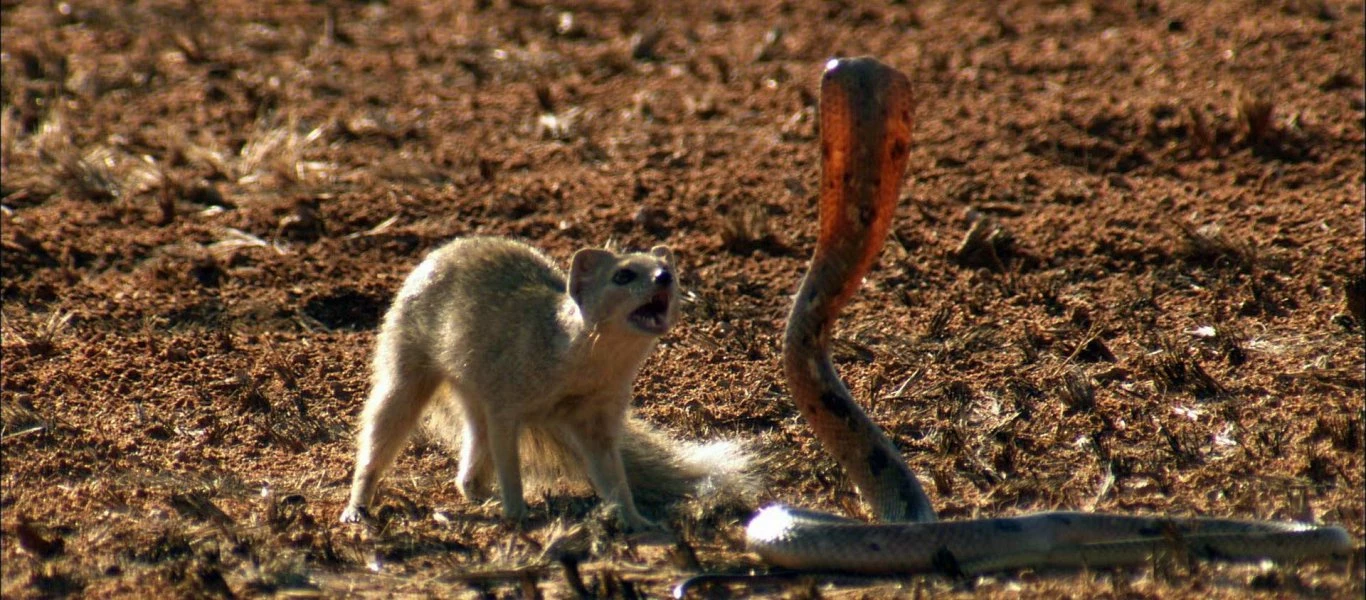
(514,513)
(355,514)
(474,490)
(650,533)
(636,524)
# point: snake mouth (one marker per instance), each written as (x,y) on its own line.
(653,316)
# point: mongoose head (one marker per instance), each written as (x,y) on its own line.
(636,292)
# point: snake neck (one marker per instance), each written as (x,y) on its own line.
(867,455)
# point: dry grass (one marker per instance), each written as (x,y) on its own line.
(10,131)
(1202,135)
(1077,391)
(937,328)
(747,228)
(1174,370)
(19,419)
(1212,244)
(280,150)
(1256,113)
(277,152)
(53,161)
(35,334)
(552,124)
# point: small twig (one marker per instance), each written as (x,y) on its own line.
(22,432)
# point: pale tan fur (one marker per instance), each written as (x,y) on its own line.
(494,340)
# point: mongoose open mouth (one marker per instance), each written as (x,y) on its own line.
(653,316)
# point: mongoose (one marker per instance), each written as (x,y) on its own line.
(525,362)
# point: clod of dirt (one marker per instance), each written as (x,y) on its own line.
(643,43)
(35,543)
(346,309)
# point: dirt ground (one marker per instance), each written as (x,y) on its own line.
(207,207)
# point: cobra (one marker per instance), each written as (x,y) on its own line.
(866,118)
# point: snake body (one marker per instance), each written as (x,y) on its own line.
(807,540)
(866,118)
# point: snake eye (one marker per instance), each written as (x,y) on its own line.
(623,276)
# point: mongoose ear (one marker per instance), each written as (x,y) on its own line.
(663,252)
(586,262)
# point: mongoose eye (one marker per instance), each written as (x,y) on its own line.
(623,276)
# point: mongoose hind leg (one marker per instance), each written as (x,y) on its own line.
(476,467)
(396,402)
(507,464)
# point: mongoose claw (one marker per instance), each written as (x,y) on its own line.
(355,514)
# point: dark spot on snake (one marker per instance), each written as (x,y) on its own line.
(835,403)
(867,212)
(917,505)
(1209,552)
(1150,531)
(1007,525)
(898,150)
(875,547)
(946,563)
(917,508)
(878,461)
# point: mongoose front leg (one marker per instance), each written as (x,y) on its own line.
(609,478)
(599,447)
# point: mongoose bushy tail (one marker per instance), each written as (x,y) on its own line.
(661,469)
